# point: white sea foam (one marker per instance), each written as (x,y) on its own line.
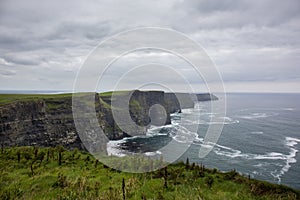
(259,165)
(257,115)
(289,109)
(216,120)
(155,130)
(266,109)
(158,152)
(150,153)
(277,174)
(183,135)
(257,132)
(176,114)
(290,142)
(188,111)
(112,148)
(255,172)
(226,121)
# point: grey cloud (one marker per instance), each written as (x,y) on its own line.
(216,14)
(250,41)
(5,72)
(22,60)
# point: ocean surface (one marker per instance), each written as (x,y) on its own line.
(260,137)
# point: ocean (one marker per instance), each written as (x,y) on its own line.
(260,137)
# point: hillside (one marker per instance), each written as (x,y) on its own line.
(41,173)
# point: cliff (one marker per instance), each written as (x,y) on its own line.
(206,97)
(47,120)
(42,122)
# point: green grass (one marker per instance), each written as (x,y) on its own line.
(78,177)
(10,98)
(109,94)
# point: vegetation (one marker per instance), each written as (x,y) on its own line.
(10,98)
(109,94)
(55,173)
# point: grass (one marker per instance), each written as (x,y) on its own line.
(10,98)
(109,94)
(35,173)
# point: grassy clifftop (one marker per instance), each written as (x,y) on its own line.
(10,98)
(55,173)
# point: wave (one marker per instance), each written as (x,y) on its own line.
(287,158)
(259,165)
(257,115)
(254,113)
(257,132)
(268,109)
(158,130)
(288,109)
(291,142)
(183,135)
(177,131)
(113,149)
(217,120)
(152,153)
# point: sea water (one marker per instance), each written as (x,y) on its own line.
(260,137)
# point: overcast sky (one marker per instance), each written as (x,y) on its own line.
(254,44)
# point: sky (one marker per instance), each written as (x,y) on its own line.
(255,45)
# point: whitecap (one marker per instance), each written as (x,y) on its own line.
(257,132)
(257,115)
(113,149)
(264,164)
(158,152)
(208,146)
(215,120)
(290,141)
(289,159)
(188,111)
(183,135)
(255,172)
(289,109)
(150,153)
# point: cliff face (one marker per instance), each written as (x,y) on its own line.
(38,122)
(206,97)
(178,101)
(49,121)
(140,113)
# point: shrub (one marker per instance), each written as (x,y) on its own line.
(187,163)
(18,155)
(230,175)
(209,181)
(27,155)
(61,181)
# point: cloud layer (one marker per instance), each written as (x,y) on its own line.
(253,43)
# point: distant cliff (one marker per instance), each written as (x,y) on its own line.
(206,97)
(47,120)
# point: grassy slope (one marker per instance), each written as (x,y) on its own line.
(78,178)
